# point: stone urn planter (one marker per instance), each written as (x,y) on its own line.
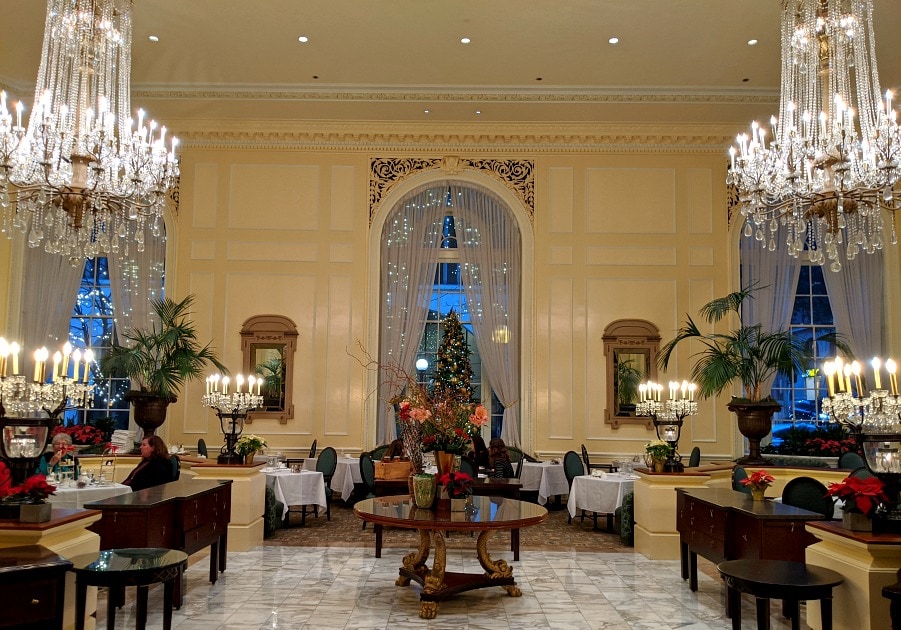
(755,421)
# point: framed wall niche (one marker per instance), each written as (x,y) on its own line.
(630,347)
(268,343)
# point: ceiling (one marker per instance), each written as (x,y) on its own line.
(677,61)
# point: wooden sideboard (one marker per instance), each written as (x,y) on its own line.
(722,524)
(186,515)
(33,581)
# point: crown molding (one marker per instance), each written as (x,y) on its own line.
(438,138)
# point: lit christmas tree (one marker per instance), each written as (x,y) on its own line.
(453,372)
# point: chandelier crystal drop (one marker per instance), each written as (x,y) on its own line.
(828,166)
(84,178)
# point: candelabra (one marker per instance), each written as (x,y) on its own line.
(874,418)
(668,415)
(232,410)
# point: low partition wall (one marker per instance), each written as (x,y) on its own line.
(245,531)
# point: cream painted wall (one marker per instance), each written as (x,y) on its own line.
(285,232)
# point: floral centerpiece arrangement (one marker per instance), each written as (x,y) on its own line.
(658,449)
(457,484)
(250,443)
(758,482)
(860,496)
(445,425)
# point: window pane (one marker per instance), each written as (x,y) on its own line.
(821,311)
(801,311)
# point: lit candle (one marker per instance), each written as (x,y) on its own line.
(57,361)
(67,350)
(659,390)
(76,360)
(840,371)
(14,349)
(847,372)
(88,359)
(829,369)
(691,391)
(890,368)
(239,383)
(216,378)
(250,381)
(642,388)
(259,383)
(40,367)
(4,346)
(684,388)
(225,386)
(877,380)
(208,381)
(855,370)
(672,390)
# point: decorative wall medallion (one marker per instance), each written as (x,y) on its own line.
(516,175)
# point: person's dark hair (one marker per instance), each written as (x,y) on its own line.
(497,451)
(395,449)
(479,452)
(160,450)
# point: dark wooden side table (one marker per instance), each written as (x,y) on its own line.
(791,582)
(117,568)
(33,583)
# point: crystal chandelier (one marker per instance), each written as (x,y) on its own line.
(84,178)
(828,168)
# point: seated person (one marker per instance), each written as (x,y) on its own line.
(60,458)
(395,449)
(499,459)
(155,467)
(479,453)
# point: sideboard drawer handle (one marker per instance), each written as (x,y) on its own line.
(35,602)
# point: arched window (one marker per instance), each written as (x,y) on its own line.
(455,246)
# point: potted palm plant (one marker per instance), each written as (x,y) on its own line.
(159,360)
(748,354)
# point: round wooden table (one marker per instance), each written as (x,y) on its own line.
(486,515)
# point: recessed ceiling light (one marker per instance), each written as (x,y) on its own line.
(478,111)
(613,40)
(752,42)
(425,111)
(465,40)
(303,39)
(154,38)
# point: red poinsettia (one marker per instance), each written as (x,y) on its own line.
(759,479)
(458,484)
(35,489)
(859,495)
(81,433)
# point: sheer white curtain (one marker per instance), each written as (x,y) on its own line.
(50,287)
(410,245)
(137,281)
(776,274)
(857,297)
(490,250)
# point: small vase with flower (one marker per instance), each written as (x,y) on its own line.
(31,499)
(758,482)
(860,500)
(457,486)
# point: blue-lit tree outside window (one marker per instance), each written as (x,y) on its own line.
(811,319)
(92,326)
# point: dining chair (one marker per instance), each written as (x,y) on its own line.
(739,473)
(312,450)
(326,464)
(589,466)
(808,494)
(176,467)
(861,473)
(367,474)
(572,468)
(467,467)
(850,460)
(694,459)
(201,448)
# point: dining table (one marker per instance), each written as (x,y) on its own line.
(75,497)
(305,487)
(347,473)
(547,478)
(600,494)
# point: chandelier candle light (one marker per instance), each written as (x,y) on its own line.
(84,177)
(668,415)
(825,170)
(873,416)
(232,409)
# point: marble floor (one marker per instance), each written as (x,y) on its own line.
(347,587)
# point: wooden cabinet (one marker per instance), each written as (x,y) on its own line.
(722,524)
(33,582)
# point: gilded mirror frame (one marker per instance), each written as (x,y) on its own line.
(271,338)
(627,343)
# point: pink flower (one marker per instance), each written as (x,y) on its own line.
(420,414)
(480,416)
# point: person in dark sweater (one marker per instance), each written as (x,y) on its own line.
(155,467)
(479,453)
(499,459)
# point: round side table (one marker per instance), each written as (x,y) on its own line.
(118,568)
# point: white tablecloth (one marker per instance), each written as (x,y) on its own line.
(599,494)
(306,487)
(77,497)
(546,477)
(347,473)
